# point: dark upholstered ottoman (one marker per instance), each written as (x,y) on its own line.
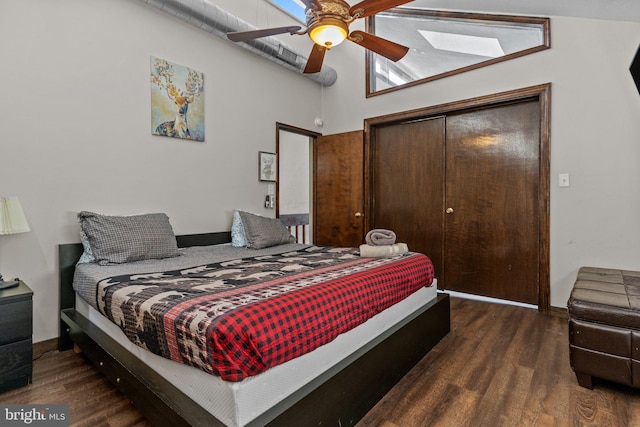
(604,326)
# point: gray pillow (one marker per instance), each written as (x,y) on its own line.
(118,239)
(263,232)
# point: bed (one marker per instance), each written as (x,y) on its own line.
(335,384)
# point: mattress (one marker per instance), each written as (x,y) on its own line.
(258,399)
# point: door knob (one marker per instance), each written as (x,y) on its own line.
(359,215)
(449,210)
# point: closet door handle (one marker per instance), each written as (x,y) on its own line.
(449,210)
(358,215)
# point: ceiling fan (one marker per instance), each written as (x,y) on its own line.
(328,25)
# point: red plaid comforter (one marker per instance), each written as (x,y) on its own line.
(239,318)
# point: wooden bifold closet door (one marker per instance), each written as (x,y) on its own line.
(492,176)
(407,185)
(464,189)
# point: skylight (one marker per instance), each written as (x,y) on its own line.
(472,45)
(294,8)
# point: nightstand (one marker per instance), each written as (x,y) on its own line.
(16,327)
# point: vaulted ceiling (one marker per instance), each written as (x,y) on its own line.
(617,10)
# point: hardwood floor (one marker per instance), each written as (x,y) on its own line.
(500,366)
(68,378)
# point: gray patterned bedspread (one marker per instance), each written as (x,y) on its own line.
(88,275)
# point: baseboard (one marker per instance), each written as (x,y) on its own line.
(489,299)
(559,312)
(553,311)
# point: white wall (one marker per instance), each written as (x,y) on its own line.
(75,119)
(595,133)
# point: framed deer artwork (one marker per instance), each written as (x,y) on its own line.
(177,100)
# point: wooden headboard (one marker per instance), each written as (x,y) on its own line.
(69,254)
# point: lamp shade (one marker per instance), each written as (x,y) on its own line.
(12,219)
(329,32)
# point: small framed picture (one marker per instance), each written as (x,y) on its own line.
(267,166)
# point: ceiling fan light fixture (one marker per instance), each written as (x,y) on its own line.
(329,32)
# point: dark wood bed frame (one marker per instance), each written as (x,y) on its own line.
(340,397)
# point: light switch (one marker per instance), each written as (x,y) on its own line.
(563,180)
(271,189)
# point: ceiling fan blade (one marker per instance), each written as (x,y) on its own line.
(371,7)
(242,36)
(384,47)
(314,63)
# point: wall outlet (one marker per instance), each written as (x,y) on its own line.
(270,201)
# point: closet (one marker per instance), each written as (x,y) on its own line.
(464,188)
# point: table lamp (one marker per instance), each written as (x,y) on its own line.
(12,221)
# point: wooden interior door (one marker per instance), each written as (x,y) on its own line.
(407,187)
(338,175)
(492,225)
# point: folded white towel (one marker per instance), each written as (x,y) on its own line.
(385,251)
(380,237)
